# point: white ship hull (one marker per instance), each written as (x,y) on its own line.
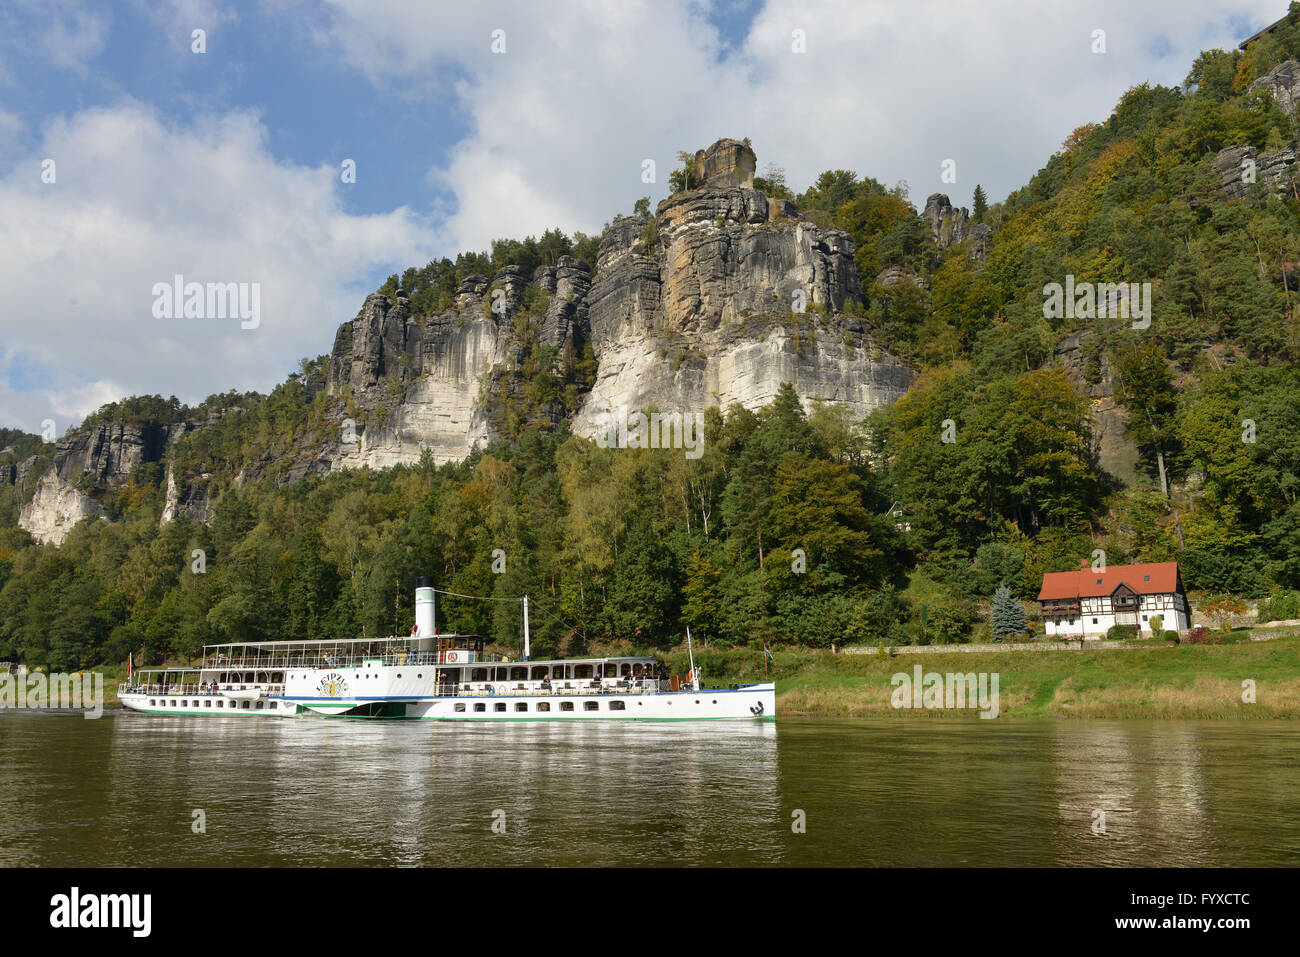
(748,702)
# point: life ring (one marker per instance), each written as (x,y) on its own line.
(451,656)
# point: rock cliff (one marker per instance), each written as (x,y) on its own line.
(718,298)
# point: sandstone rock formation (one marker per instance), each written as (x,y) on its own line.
(732,302)
(726,163)
(1283,83)
(947,224)
(55,508)
(1236,165)
(718,298)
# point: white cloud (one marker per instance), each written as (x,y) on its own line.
(137,201)
(890,88)
(75,35)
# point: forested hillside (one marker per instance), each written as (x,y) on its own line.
(1025,443)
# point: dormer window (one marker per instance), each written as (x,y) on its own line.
(1146,578)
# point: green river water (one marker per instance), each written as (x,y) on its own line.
(124,790)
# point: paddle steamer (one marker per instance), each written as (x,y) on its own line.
(435,676)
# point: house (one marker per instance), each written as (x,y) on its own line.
(1086,603)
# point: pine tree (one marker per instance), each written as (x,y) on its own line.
(980,203)
(1008,615)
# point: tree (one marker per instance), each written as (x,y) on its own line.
(980,204)
(1008,615)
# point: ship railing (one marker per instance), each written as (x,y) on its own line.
(286,662)
(198,690)
(560,687)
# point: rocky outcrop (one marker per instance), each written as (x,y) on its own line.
(730,303)
(110,453)
(1095,377)
(1283,83)
(719,298)
(195,503)
(726,163)
(55,508)
(947,224)
(1238,166)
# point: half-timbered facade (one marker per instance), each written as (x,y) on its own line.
(1087,602)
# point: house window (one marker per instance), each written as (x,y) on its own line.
(1094,621)
(1146,578)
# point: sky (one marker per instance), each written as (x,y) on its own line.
(133,150)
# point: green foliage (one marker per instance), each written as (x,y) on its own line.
(1008,616)
(1122,633)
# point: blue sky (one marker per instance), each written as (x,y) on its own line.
(224,166)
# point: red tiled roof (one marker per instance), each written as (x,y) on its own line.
(1157,579)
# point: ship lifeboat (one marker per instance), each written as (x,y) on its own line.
(244,694)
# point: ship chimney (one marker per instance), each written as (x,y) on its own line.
(424,608)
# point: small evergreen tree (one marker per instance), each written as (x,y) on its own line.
(980,203)
(1008,615)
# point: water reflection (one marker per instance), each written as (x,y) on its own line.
(884,792)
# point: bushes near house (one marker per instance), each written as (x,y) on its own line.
(1122,632)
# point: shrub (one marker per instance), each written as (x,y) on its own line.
(1122,632)
(1280,606)
(1171,637)
(1200,635)
(1157,624)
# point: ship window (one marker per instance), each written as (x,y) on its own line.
(460,706)
(152,701)
(480,706)
(221,704)
(207,704)
(173,702)
(259,706)
(479,674)
(521,706)
(582,671)
(518,674)
(500,706)
(617,706)
(543,706)
(590,705)
(499,674)
(539,673)
(399,674)
(418,676)
(566,705)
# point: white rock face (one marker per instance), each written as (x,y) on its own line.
(56,507)
(440,411)
(635,378)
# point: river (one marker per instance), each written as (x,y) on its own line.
(132,789)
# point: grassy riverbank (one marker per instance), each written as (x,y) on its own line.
(1159,681)
(1162,681)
